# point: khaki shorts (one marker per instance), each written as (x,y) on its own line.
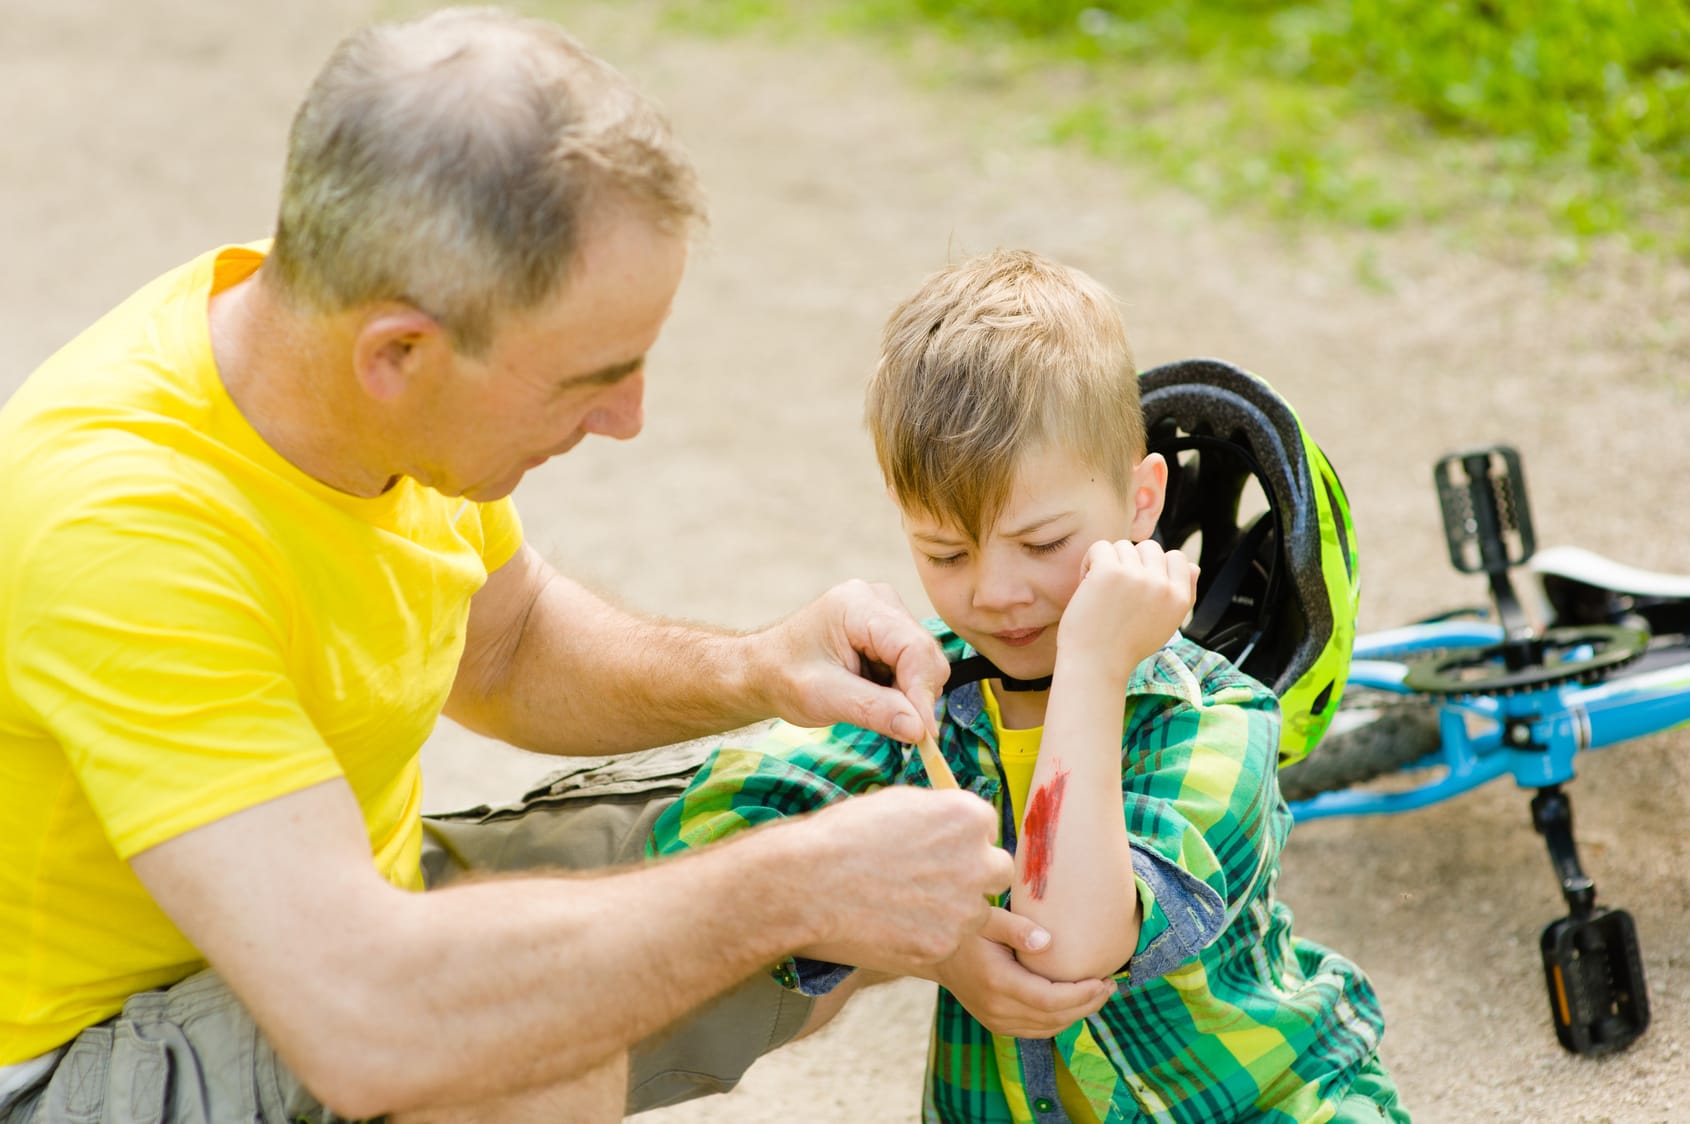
(190,1052)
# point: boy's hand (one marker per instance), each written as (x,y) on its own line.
(1131,599)
(987,979)
(854,655)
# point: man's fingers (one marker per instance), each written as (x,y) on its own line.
(890,636)
(884,710)
(1068,1000)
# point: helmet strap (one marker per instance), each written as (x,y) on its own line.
(975,668)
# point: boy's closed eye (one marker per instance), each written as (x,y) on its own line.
(1049,547)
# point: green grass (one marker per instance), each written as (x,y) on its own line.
(1537,129)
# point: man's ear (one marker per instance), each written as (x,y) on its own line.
(1149,489)
(395,348)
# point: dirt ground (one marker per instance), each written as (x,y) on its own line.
(132,136)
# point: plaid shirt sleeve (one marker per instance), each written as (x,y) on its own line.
(1198,792)
(787,772)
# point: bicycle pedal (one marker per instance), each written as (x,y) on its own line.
(1597,995)
(1487,520)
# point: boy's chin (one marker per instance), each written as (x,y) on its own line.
(1017,663)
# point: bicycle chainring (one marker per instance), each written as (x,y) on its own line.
(1480,670)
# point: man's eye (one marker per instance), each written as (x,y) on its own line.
(944,559)
(1049,547)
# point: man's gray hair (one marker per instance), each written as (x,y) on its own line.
(451,163)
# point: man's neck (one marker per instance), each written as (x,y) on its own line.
(286,373)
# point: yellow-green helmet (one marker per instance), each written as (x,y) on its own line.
(1278,589)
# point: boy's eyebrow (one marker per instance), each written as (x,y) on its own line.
(1035,525)
(940,538)
(605,376)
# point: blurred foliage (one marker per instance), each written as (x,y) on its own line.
(1605,80)
(1568,119)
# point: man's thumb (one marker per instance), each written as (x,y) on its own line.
(1015,931)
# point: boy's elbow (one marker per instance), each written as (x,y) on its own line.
(1067,961)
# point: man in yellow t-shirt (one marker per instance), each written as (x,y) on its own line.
(257,538)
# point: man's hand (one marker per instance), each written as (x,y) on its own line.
(854,655)
(903,876)
(987,979)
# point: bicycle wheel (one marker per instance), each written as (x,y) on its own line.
(1374,733)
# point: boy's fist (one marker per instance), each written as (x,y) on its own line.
(1131,599)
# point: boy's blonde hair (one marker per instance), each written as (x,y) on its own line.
(989,359)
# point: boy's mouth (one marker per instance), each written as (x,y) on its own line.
(1019,637)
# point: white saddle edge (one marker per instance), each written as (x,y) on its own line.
(1577,564)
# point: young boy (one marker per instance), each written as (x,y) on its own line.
(1006,419)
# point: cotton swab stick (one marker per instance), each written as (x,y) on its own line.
(938,773)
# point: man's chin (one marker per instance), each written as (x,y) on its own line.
(490,493)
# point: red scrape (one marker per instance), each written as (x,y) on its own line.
(1038,833)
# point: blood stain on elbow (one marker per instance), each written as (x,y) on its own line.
(1038,833)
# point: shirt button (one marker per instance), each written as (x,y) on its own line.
(1044,1104)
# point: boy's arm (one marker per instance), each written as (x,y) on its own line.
(1074,870)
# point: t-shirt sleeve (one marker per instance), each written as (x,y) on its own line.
(146,640)
(501,532)
(1200,799)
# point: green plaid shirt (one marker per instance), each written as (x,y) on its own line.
(1220,1015)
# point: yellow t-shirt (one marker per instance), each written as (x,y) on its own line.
(190,626)
(1018,750)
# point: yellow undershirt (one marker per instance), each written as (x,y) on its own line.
(1018,751)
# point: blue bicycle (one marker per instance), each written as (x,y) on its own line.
(1436,708)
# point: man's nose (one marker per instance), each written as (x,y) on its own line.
(621,413)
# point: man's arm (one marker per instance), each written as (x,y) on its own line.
(550,667)
(382,1000)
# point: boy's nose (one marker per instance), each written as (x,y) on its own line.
(999,587)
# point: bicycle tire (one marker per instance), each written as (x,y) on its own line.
(1402,733)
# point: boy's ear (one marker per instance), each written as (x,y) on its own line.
(1149,489)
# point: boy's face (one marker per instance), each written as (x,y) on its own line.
(1005,594)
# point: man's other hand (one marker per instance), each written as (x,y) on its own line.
(854,655)
(1007,998)
(905,875)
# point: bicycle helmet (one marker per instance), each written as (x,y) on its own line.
(1278,590)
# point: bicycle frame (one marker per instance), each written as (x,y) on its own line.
(1532,736)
